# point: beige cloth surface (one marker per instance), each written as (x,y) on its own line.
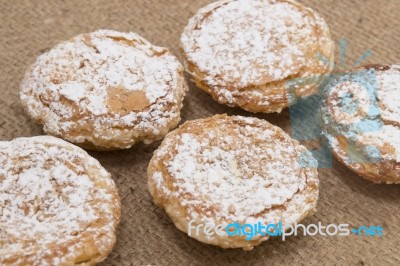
(146,235)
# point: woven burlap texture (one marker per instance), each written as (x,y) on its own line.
(146,235)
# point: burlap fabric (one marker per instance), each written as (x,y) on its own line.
(146,235)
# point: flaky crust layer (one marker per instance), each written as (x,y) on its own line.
(58,205)
(105,90)
(361,119)
(228,169)
(257,55)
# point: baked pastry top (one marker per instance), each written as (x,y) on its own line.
(58,205)
(361,119)
(257,54)
(227,169)
(105,90)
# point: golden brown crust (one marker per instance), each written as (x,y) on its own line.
(59,206)
(248,80)
(361,119)
(227,169)
(385,172)
(105,90)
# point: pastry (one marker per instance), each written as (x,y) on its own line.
(105,90)
(361,119)
(58,205)
(232,169)
(258,55)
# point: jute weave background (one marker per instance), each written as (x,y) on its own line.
(146,235)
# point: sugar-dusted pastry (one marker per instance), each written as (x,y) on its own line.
(105,90)
(231,169)
(257,54)
(361,119)
(58,205)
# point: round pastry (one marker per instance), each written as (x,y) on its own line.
(58,205)
(231,169)
(105,90)
(257,54)
(361,119)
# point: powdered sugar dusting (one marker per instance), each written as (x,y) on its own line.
(363,125)
(388,135)
(73,91)
(88,82)
(47,198)
(389,93)
(247,42)
(239,170)
(340,105)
